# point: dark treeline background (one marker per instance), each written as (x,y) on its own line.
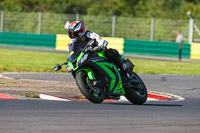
(131,8)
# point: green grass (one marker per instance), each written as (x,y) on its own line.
(166,67)
(28,61)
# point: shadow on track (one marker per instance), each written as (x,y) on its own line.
(163,105)
(147,104)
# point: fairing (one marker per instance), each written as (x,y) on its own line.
(74,51)
(98,65)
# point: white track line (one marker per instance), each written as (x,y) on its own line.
(49,97)
(1,76)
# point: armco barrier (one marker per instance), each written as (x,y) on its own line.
(59,41)
(33,40)
(116,43)
(195,51)
(127,46)
(62,41)
(166,49)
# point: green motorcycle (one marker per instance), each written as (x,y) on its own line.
(99,79)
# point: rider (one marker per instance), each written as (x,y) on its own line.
(79,36)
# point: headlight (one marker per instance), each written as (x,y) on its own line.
(69,69)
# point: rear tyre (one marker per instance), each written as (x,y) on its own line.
(137,95)
(90,93)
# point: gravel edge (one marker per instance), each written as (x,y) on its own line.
(32,88)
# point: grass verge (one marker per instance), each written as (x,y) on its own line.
(31,95)
(29,61)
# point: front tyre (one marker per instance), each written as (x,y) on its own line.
(95,95)
(138,94)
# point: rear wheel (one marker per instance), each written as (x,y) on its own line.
(93,94)
(138,93)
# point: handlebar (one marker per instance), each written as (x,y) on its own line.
(91,44)
(59,66)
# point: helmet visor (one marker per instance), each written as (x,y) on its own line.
(73,34)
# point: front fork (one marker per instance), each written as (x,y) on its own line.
(89,73)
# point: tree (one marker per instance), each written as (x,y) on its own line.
(132,8)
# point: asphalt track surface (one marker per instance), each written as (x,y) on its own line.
(41,116)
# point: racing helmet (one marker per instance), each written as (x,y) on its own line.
(76,30)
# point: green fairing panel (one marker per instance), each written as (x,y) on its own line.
(79,57)
(101,54)
(70,65)
(119,87)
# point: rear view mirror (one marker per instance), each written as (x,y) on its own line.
(57,67)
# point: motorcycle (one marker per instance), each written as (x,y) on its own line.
(99,79)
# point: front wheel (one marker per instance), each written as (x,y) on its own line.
(93,94)
(138,93)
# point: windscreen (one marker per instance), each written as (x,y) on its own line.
(74,51)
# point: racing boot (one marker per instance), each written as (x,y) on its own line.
(114,56)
